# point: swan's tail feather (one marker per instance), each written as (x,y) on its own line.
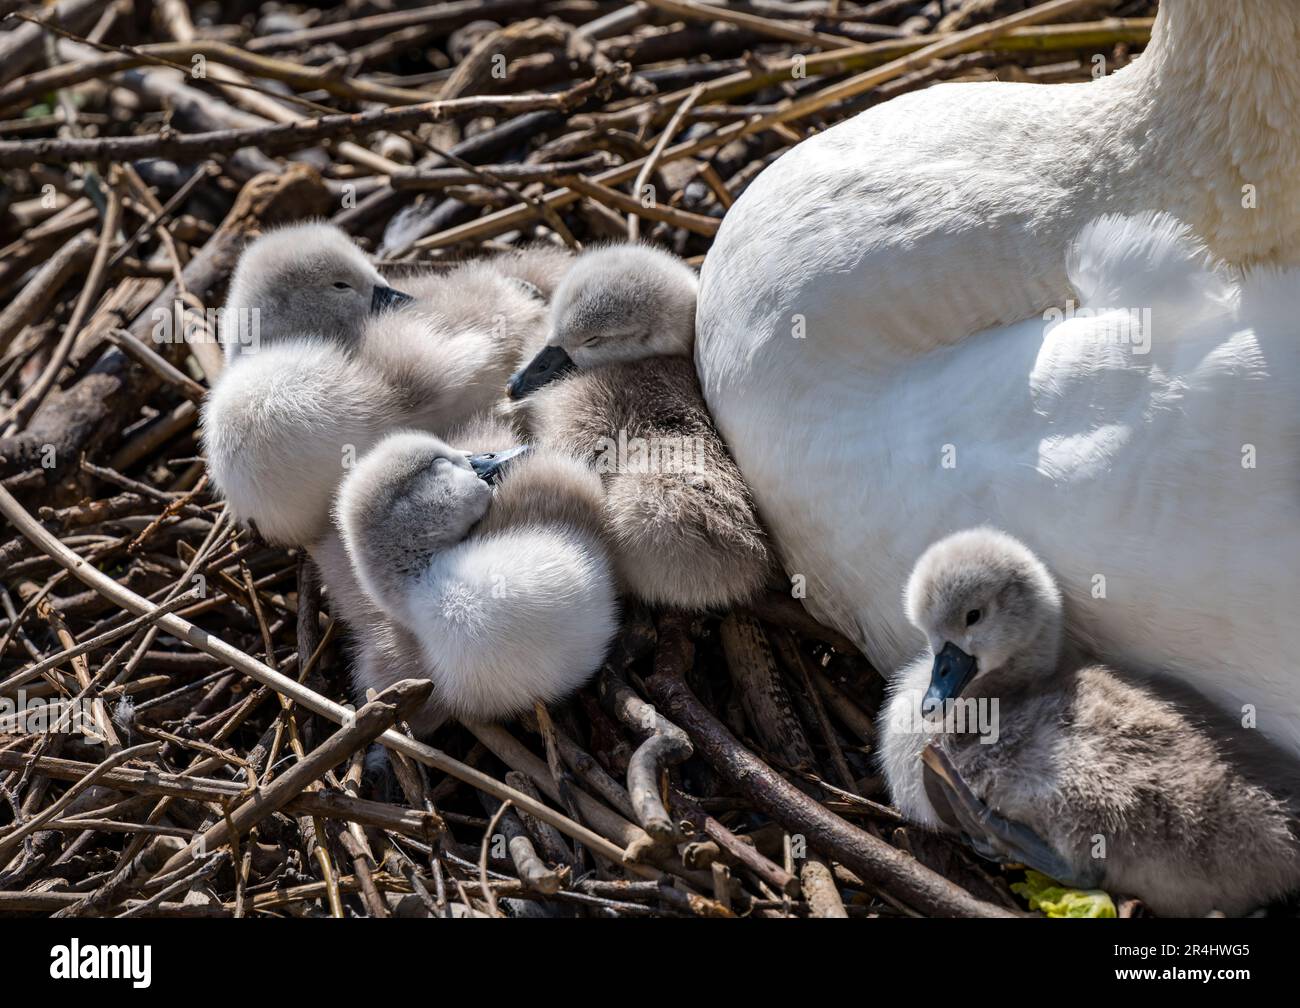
(1149,263)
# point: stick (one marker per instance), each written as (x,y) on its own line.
(281,137)
(759,25)
(108,636)
(48,281)
(532,869)
(419,825)
(696,223)
(34,396)
(645,772)
(652,161)
(870,858)
(12,839)
(370,722)
(291,688)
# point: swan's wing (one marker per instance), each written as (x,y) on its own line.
(1151,268)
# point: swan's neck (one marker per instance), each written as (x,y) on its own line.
(1218,96)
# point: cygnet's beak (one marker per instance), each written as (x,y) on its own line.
(953,669)
(548,365)
(385,298)
(488,465)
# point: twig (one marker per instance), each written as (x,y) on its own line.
(761,25)
(483,858)
(371,720)
(34,396)
(9,841)
(291,688)
(873,859)
(281,137)
(652,161)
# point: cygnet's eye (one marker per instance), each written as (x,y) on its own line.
(591,340)
(340,285)
(972,617)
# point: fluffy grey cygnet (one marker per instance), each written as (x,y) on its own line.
(507,589)
(1094,778)
(333,370)
(304,279)
(622,329)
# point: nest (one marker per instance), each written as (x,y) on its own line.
(192,758)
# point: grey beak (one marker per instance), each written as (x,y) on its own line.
(488,465)
(385,298)
(953,670)
(549,364)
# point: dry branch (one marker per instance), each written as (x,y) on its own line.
(281,137)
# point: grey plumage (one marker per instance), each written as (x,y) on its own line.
(382,650)
(302,280)
(682,522)
(328,377)
(684,536)
(624,303)
(1124,780)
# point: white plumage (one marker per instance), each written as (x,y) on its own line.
(1150,461)
(511,618)
(519,608)
(875,343)
(331,371)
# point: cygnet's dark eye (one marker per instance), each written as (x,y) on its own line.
(341,286)
(972,617)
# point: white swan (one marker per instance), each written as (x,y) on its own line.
(835,349)
(1149,456)
(511,595)
(1091,777)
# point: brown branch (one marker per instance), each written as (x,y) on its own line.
(371,721)
(872,859)
(282,137)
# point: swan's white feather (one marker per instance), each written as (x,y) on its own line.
(1128,472)
(877,295)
